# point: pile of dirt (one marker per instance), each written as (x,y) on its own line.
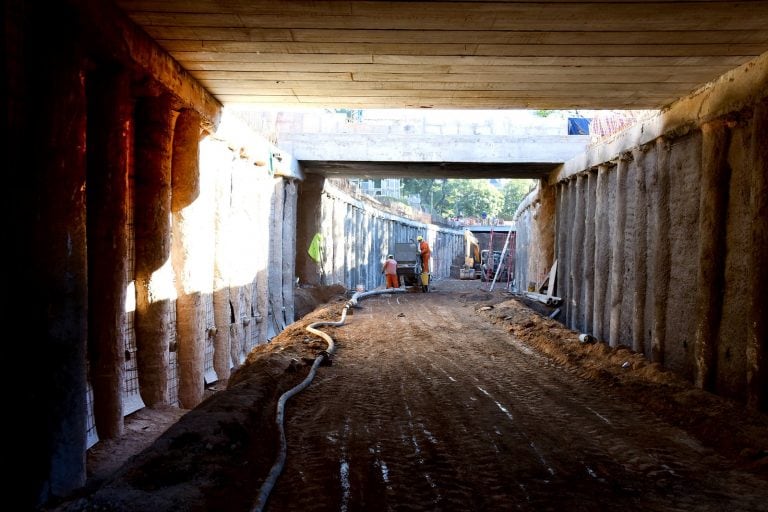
(308,298)
(728,427)
(203,457)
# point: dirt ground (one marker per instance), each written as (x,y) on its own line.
(458,399)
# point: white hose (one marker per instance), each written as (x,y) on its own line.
(277,467)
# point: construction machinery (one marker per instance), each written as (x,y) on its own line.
(408,263)
(471,267)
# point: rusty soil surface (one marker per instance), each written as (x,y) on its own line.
(454,400)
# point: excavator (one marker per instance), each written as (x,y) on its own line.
(472,259)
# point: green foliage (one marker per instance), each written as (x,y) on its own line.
(544,113)
(417,187)
(453,197)
(472,198)
(514,191)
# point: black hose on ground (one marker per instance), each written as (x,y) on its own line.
(277,467)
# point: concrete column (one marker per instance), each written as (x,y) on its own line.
(561,278)
(640,253)
(52,284)
(289,248)
(339,260)
(152,224)
(577,254)
(602,254)
(275,267)
(713,208)
(757,328)
(660,252)
(263,226)
(109,118)
(223,315)
(236,328)
(190,313)
(617,251)
(544,227)
(590,220)
(308,222)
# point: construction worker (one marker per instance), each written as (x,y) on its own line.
(390,272)
(425,253)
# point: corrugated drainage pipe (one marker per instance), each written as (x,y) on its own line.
(277,467)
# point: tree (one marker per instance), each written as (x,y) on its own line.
(514,191)
(472,198)
(454,197)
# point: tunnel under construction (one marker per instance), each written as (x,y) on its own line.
(157,239)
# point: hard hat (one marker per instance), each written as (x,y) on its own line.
(419,238)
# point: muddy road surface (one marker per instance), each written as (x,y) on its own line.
(428,406)
(454,400)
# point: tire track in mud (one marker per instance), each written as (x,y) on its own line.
(428,407)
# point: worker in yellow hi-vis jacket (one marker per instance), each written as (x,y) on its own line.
(425,253)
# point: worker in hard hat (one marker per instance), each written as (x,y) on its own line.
(390,272)
(425,253)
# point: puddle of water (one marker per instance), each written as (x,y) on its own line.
(542,459)
(599,415)
(345,487)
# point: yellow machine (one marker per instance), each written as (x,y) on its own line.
(471,255)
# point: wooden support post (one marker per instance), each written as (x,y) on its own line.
(190,314)
(589,252)
(661,252)
(110,112)
(602,248)
(152,224)
(757,328)
(713,207)
(640,253)
(617,251)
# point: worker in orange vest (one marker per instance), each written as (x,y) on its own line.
(390,271)
(425,253)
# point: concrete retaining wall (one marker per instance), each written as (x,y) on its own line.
(655,241)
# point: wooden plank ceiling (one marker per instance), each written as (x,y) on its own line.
(449,54)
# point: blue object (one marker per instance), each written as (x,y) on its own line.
(578,126)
